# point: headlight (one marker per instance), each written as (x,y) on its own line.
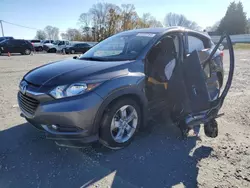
(76,89)
(72,90)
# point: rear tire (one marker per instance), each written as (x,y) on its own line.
(27,52)
(72,52)
(108,135)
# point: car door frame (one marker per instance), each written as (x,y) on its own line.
(9,46)
(19,46)
(180,58)
(216,71)
(84,47)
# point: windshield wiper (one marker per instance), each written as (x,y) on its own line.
(104,59)
(93,59)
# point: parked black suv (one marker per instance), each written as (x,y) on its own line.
(16,46)
(77,48)
(4,38)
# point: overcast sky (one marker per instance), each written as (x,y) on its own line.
(65,13)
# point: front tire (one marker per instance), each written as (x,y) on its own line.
(40,48)
(72,52)
(120,123)
(52,50)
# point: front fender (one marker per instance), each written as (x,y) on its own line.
(121,87)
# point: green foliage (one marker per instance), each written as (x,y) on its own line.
(235,21)
(242,46)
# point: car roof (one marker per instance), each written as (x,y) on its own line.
(154,30)
(163,30)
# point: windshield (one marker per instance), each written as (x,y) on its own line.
(55,42)
(119,47)
(2,40)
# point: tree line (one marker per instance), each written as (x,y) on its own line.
(106,19)
(234,22)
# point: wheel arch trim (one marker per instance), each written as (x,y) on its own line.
(119,94)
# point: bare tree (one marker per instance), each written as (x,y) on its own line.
(41,35)
(173,19)
(129,17)
(148,20)
(213,27)
(144,21)
(99,14)
(113,20)
(155,23)
(64,36)
(106,19)
(85,19)
(72,34)
(85,22)
(52,32)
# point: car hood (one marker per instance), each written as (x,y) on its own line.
(73,70)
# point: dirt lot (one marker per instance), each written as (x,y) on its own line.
(157,157)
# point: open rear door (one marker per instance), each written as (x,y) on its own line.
(189,91)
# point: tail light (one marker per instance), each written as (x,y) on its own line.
(221,55)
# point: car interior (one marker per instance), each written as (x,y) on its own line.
(165,53)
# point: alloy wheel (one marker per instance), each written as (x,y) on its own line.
(124,123)
(27,51)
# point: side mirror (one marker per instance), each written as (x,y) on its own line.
(75,57)
(221,47)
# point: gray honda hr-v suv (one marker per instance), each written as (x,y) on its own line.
(110,91)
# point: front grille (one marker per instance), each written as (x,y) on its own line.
(27,104)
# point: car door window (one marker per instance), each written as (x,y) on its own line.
(113,48)
(195,43)
(16,43)
(84,45)
(10,42)
(5,42)
(35,41)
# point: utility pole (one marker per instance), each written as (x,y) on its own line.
(1,22)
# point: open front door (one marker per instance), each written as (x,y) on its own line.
(195,84)
(187,89)
(189,92)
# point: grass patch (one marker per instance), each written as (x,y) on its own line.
(242,46)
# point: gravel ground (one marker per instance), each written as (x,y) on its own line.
(157,157)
